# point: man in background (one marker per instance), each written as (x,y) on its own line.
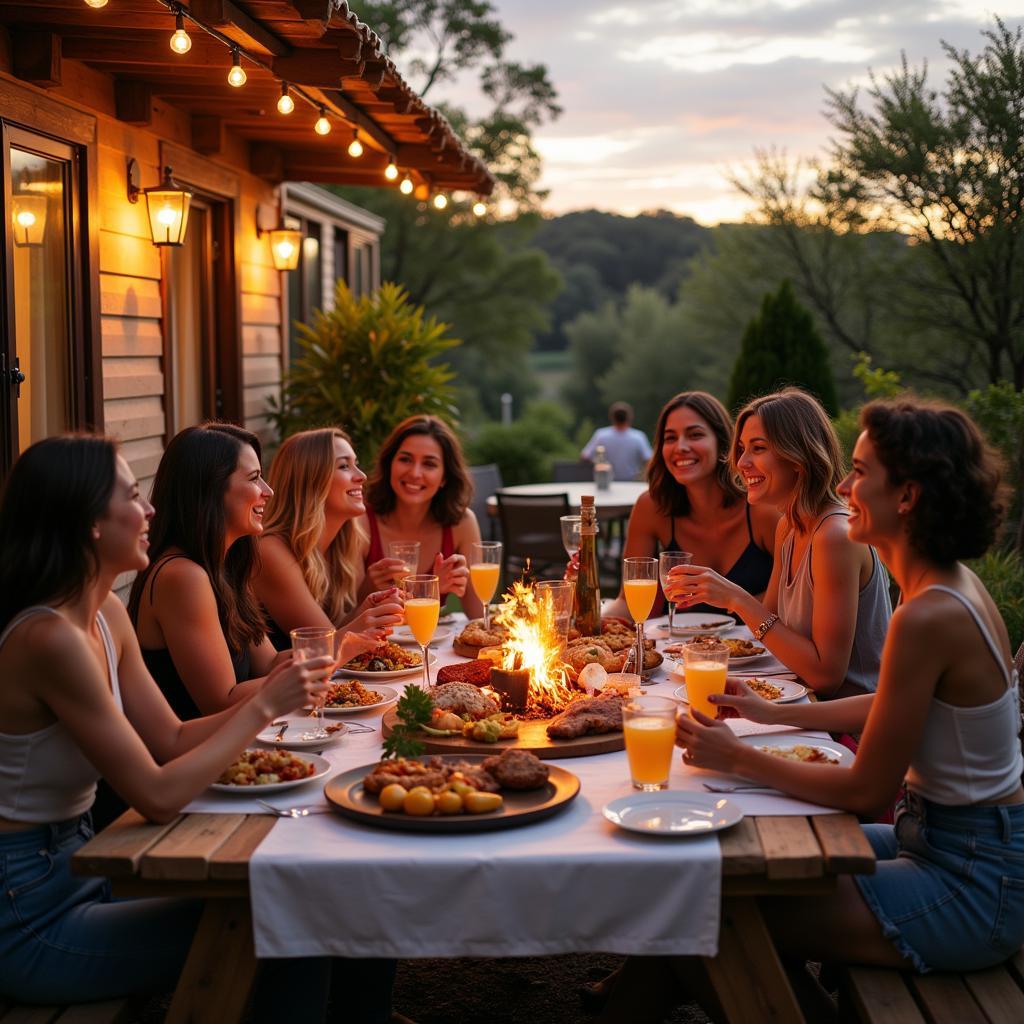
(626,448)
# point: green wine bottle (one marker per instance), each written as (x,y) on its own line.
(588,584)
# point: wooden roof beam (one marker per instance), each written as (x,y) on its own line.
(36,57)
(133,102)
(150,49)
(233,22)
(319,69)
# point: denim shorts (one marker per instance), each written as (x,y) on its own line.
(66,940)
(949,886)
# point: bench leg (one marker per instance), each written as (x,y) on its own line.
(747,975)
(221,965)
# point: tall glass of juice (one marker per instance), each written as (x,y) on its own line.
(706,665)
(649,727)
(484,572)
(640,588)
(422,608)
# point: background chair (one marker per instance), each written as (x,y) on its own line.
(530,529)
(571,471)
(486,480)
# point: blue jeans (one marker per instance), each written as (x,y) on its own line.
(65,939)
(949,887)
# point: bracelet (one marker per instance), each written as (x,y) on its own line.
(762,630)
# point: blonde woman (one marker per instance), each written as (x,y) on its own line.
(309,563)
(826,610)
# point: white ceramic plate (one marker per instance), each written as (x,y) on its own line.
(695,623)
(321,766)
(403,635)
(389,693)
(292,739)
(790,690)
(670,813)
(788,739)
(353,673)
(446,620)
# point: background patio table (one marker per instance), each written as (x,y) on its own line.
(614,503)
(781,847)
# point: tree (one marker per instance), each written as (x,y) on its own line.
(781,346)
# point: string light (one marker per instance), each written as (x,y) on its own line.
(236,76)
(285,104)
(181,41)
(391,171)
(407,186)
(479,207)
(355,147)
(97,3)
(440,201)
(322,126)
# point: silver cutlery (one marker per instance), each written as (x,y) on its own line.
(739,787)
(281,731)
(293,812)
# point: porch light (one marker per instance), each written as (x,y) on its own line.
(97,3)
(181,41)
(440,201)
(479,208)
(407,186)
(285,105)
(322,126)
(391,171)
(355,147)
(237,75)
(167,205)
(285,245)
(29,216)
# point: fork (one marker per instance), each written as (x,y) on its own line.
(292,812)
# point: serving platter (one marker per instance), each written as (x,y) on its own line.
(346,795)
(532,737)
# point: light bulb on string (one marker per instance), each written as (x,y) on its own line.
(96,3)
(322,126)
(355,147)
(440,201)
(391,171)
(285,105)
(407,186)
(479,208)
(236,76)
(181,41)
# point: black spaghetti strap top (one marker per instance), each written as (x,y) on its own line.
(161,666)
(751,571)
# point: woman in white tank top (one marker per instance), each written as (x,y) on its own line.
(76,702)
(949,890)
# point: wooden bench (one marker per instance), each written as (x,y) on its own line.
(993,996)
(115,1011)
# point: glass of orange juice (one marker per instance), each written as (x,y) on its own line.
(640,588)
(484,572)
(422,608)
(706,665)
(649,726)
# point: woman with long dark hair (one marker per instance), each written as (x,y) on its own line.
(76,702)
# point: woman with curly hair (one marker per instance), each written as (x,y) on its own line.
(420,490)
(827,606)
(693,502)
(948,893)
(307,572)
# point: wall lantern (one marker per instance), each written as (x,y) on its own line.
(167,205)
(285,245)
(29,217)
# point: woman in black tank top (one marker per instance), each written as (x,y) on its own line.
(693,502)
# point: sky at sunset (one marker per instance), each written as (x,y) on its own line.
(663,98)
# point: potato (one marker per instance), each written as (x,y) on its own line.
(482,803)
(448,802)
(391,797)
(419,802)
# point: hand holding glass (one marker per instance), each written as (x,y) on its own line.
(706,666)
(314,642)
(484,572)
(422,608)
(667,560)
(408,553)
(649,728)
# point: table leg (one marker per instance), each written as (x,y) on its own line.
(747,975)
(221,965)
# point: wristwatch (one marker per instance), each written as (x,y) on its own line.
(761,631)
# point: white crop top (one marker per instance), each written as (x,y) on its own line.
(970,755)
(44,776)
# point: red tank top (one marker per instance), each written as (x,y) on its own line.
(376,552)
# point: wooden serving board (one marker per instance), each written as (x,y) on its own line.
(532,736)
(465,650)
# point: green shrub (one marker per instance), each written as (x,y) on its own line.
(525,449)
(1002,572)
(365,366)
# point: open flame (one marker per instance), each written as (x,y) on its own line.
(533,644)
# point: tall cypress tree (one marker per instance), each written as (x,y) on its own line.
(781,346)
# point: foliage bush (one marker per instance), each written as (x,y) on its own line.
(525,450)
(365,366)
(782,346)
(1002,572)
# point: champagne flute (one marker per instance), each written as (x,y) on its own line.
(407,552)
(666,561)
(640,587)
(570,534)
(314,642)
(422,608)
(484,572)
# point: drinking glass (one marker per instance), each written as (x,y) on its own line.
(422,608)
(560,593)
(570,534)
(706,666)
(640,587)
(484,571)
(666,561)
(314,642)
(407,552)
(649,728)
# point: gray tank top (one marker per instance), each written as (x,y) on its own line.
(796,606)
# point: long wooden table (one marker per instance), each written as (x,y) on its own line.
(207,856)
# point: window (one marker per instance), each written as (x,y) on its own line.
(305,283)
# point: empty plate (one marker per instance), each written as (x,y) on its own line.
(671,813)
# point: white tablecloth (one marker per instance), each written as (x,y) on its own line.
(325,885)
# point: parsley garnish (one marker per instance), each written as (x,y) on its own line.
(413,709)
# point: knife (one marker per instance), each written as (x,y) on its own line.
(281,732)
